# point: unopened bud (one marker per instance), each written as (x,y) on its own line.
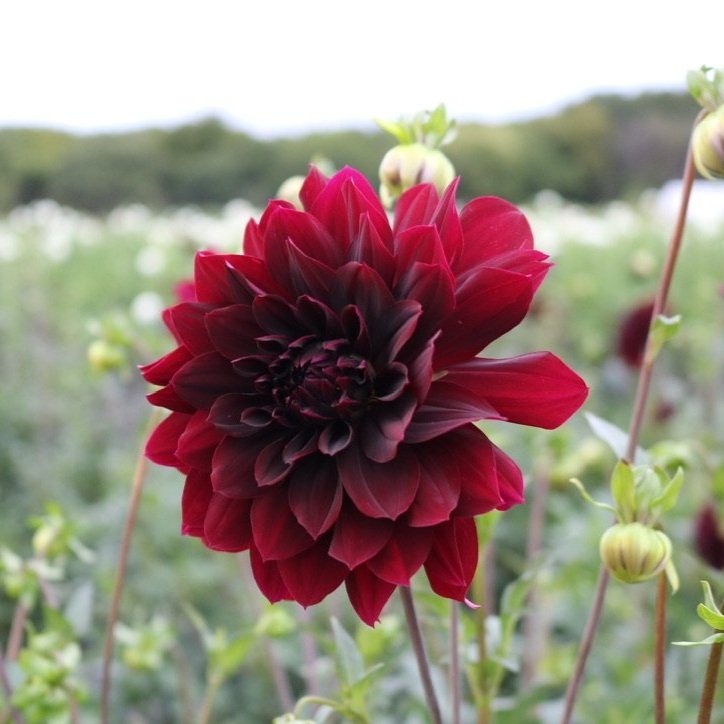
(633,552)
(708,145)
(407,165)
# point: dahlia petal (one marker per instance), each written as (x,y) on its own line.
(446,407)
(289,227)
(534,389)
(368,248)
(451,565)
(356,538)
(267,577)
(253,243)
(313,185)
(403,555)
(335,437)
(214,282)
(368,594)
(304,443)
(188,322)
(440,484)
(390,383)
(421,370)
(492,304)
(433,287)
(510,480)
(270,468)
(226,414)
(492,228)
(481,489)
(205,378)
(448,223)
(346,197)
(195,502)
(273,314)
(162,370)
(276,532)
(384,427)
(315,495)
(232,467)
(163,441)
(226,526)
(419,244)
(317,318)
(232,330)
(312,575)
(415,206)
(198,441)
(167,397)
(250,277)
(380,490)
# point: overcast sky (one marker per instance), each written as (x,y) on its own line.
(273,67)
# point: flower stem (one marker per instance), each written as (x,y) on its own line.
(15,637)
(660,650)
(482,681)
(455,661)
(707,694)
(418,646)
(133,504)
(637,416)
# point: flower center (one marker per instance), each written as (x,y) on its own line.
(321,381)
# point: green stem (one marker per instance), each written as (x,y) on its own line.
(455,661)
(660,650)
(133,505)
(418,646)
(712,674)
(637,416)
(207,705)
(482,682)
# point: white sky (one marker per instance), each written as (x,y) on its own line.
(273,67)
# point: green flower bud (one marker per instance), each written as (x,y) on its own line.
(106,357)
(708,145)
(410,164)
(632,552)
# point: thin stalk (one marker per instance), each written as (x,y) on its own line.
(482,683)
(8,691)
(455,661)
(207,705)
(133,505)
(637,416)
(660,650)
(712,674)
(15,637)
(418,646)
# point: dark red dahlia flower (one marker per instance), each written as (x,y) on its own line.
(633,329)
(325,385)
(709,536)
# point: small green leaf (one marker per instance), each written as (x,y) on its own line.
(710,616)
(226,659)
(717,638)
(709,596)
(662,330)
(672,575)
(349,659)
(623,489)
(669,495)
(589,499)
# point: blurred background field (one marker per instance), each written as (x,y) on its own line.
(96,233)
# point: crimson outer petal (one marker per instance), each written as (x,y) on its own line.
(325,385)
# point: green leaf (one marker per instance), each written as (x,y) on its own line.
(662,330)
(614,437)
(350,665)
(717,638)
(709,597)
(623,489)
(225,660)
(669,495)
(710,616)
(589,499)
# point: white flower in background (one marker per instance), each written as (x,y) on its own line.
(146,308)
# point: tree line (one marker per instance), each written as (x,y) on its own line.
(605,147)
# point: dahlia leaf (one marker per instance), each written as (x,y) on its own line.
(350,665)
(614,437)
